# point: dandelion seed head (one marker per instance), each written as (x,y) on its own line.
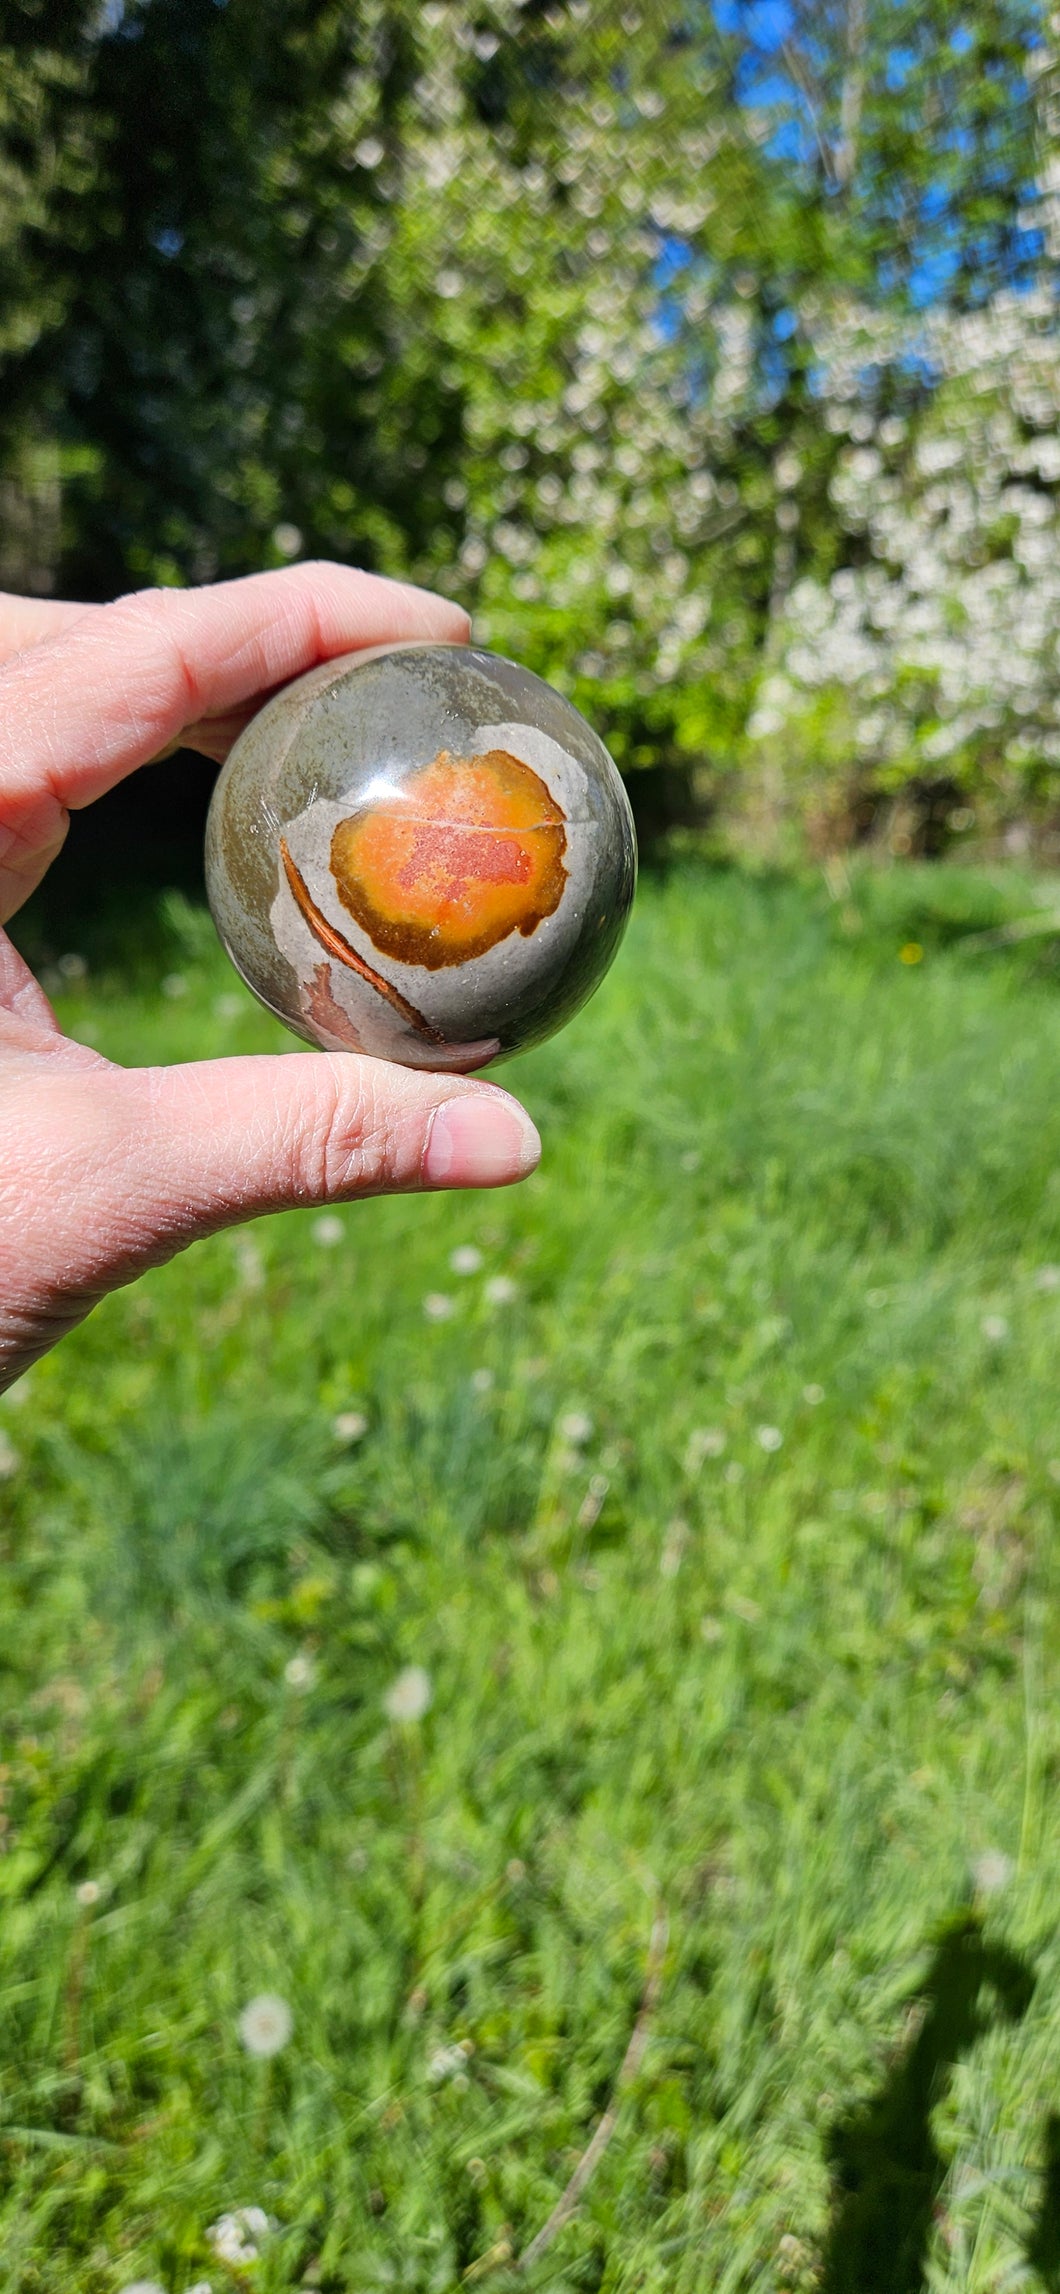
(1047,1278)
(670,1559)
(437,1307)
(501,1290)
(446,2063)
(466,1259)
(250,1266)
(88,1892)
(409,1696)
(703,1442)
(236,2237)
(992,1871)
(328,1230)
(813,1394)
(770,1438)
(590,1510)
(481,1381)
(994,1328)
(299,1672)
(265,2026)
(10,1460)
(349,1426)
(576,1427)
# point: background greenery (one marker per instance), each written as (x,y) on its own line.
(725,1530)
(709,353)
(709,1483)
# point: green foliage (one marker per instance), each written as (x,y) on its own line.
(735,1577)
(535,302)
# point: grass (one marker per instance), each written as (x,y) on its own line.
(726,1534)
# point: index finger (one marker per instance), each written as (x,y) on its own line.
(31,620)
(84,708)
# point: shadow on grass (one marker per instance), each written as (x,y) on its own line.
(1043,2252)
(887,2169)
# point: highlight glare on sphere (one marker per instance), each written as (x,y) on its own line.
(421,852)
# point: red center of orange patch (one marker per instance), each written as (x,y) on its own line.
(471,850)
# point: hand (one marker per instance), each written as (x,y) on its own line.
(105,1170)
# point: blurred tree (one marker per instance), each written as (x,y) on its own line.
(219,309)
(523,296)
(40,73)
(911,126)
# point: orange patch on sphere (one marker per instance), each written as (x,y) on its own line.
(469,851)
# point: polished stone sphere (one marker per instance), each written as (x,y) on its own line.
(421,852)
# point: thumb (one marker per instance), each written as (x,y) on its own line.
(108,1171)
(227,1139)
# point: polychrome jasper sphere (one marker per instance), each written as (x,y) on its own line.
(421,852)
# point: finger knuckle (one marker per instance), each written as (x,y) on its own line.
(150,605)
(354,1146)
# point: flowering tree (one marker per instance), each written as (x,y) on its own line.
(583,275)
(595,312)
(932,651)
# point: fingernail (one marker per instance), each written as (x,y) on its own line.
(480,1142)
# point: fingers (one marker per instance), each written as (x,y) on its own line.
(107,1172)
(22,999)
(120,684)
(30,620)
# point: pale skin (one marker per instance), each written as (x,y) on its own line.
(106,1171)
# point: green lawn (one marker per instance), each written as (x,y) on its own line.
(716,1490)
